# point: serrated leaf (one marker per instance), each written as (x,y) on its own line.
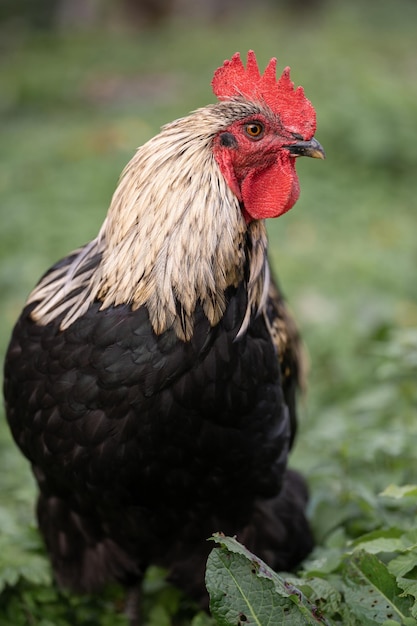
(372,592)
(245,591)
(237,598)
(262,569)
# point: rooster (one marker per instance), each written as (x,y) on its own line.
(151,377)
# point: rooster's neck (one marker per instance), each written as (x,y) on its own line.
(174,237)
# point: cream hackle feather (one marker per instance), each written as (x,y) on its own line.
(174,236)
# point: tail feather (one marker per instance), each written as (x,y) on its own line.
(279,532)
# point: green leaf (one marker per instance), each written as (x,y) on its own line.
(323,562)
(372,592)
(321,592)
(409,587)
(387,540)
(21,556)
(158,616)
(398,493)
(244,591)
(404,563)
(202,619)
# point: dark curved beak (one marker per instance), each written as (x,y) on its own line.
(310,148)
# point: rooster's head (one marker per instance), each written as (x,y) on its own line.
(186,222)
(256,153)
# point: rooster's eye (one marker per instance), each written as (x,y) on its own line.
(254,130)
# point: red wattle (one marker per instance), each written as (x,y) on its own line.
(272,191)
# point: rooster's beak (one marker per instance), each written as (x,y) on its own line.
(310,148)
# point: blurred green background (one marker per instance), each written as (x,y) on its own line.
(82,84)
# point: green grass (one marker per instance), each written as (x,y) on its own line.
(73,108)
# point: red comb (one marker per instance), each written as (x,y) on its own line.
(294,109)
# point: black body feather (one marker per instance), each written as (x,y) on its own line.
(144,445)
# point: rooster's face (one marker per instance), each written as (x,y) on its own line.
(256,151)
(256,156)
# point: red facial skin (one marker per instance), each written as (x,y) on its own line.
(259,170)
